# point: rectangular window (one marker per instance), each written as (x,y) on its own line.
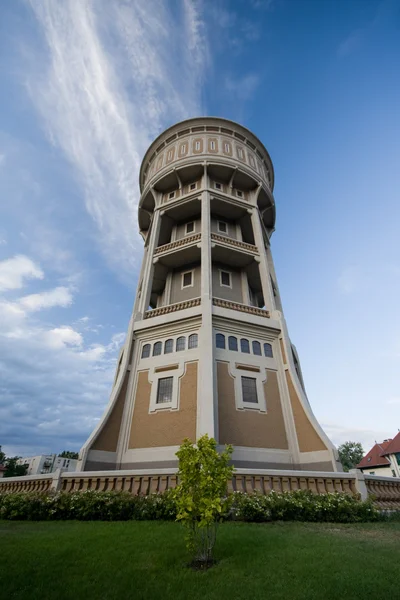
(197,145)
(212,145)
(239,193)
(249,390)
(171,195)
(192,186)
(225,278)
(189,228)
(164,390)
(217,185)
(187,279)
(222,227)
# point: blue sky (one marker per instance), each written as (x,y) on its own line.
(86,86)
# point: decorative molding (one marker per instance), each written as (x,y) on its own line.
(236,243)
(164,310)
(252,310)
(186,241)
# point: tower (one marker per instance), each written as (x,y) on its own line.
(207,349)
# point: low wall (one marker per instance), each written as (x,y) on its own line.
(384,490)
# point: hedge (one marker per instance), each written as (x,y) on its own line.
(123,506)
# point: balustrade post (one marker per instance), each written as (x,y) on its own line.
(360,483)
(56,481)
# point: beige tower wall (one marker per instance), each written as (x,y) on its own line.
(248,427)
(164,428)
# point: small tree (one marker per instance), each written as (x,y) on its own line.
(69,454)
(350,454)
(201,495)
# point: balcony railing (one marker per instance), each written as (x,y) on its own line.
(178,243)
(236,243)
(251,310)
(170,308)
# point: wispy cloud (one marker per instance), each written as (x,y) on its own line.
(350,43)
(242,88)
(113,75)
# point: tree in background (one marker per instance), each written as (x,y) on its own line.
(2,457)
(12,468)
(69,454)
(201,495)
(350,454)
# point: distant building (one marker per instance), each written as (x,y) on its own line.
(47,463)
(2,470)
(383,459)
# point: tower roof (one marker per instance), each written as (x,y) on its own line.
(217,121)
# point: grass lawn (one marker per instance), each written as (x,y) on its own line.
(146,560)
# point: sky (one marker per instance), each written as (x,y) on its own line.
(86,85)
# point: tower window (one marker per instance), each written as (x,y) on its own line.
(146,351)
(187,279)
(212,145)
(168,346)
(257,348)
(157,349)
(189,228)
(217,185)
(193,341)
(239,193)
(249,390)
(225,278)
(268,350)
(171,195)
(220,341)
(180,343)
(197,145)
(232,343)
(222,227)
(192,186)
(245,346)
(164,390)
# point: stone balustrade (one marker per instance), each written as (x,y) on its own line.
(251,310)
(169,308)
(385,491)
(186,241)
(30,483)
(234,243)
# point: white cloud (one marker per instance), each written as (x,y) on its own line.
(14,271)
(340,434)
(63,336)
(60,296)
(114,75)
(394,400)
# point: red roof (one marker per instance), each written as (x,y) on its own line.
(393,446)
(374,457)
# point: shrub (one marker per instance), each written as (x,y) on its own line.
(302,506)
(122,506)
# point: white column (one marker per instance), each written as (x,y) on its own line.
(206,417)
(263,265)
(149,267)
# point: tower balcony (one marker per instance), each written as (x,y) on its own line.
(179,252)
(233,252)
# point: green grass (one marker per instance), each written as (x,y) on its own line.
(146,560)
